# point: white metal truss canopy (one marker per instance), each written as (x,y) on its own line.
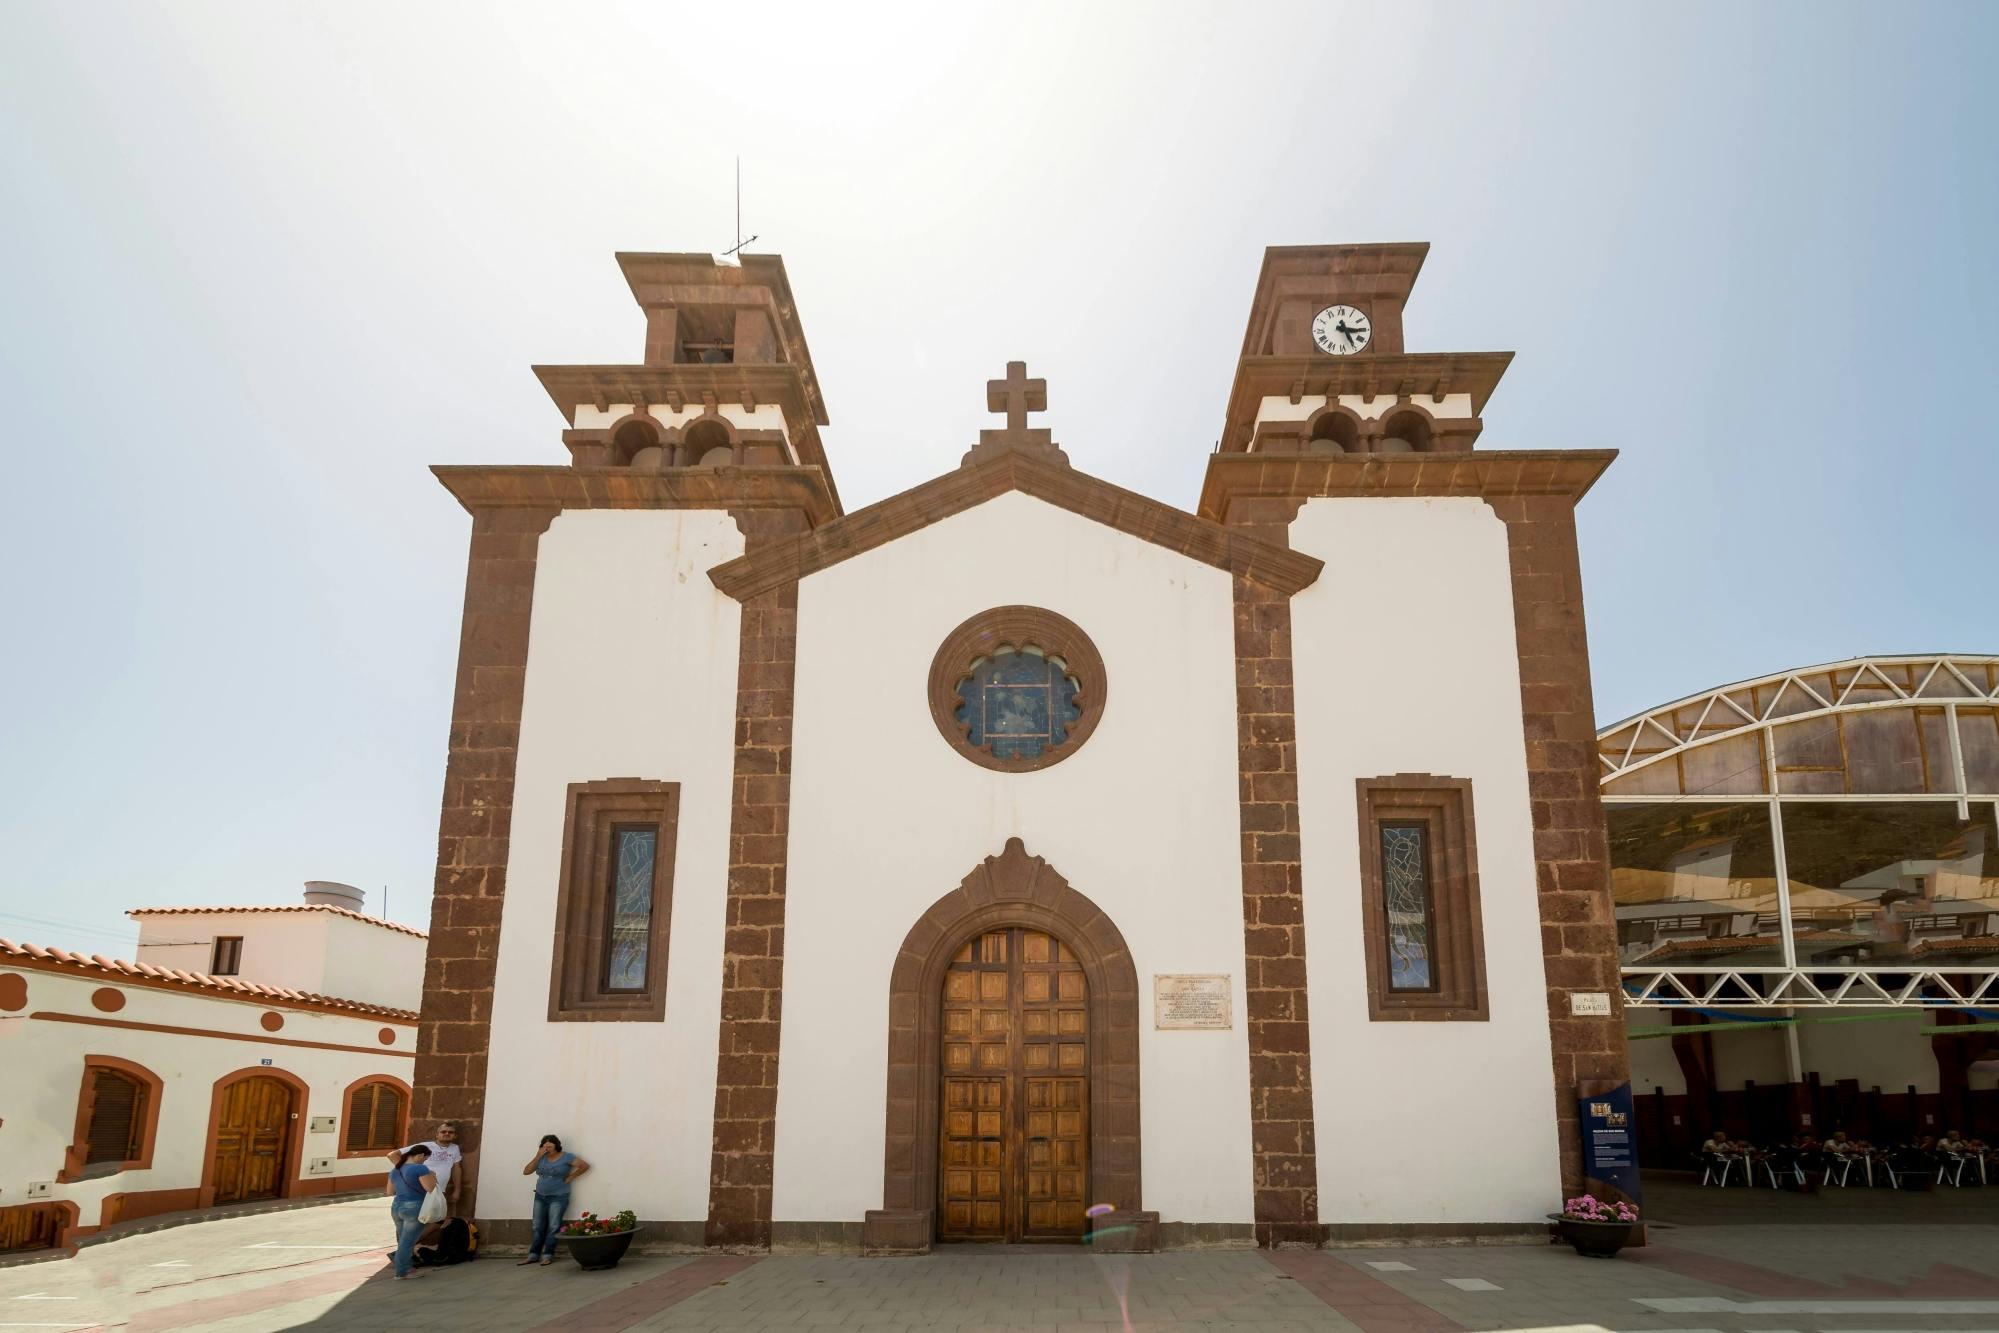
(1794,696)
(1793,988)
(1741,745)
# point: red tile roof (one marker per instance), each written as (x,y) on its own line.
(1726,944)
(1972,944)
(97,966)
(291,907)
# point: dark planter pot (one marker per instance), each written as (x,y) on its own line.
(600,1251)
(1594,1240)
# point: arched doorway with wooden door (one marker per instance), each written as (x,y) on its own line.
(256,1124)
(1013,1145)
(1013,1017)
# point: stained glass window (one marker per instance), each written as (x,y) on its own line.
(633,852)
(1019,701)
(1405,883)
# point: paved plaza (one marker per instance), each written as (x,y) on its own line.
(323,1268)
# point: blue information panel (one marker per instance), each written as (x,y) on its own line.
(1609,1153)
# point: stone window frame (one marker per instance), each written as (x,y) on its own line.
(593,812)
(1457,933)
(983,633)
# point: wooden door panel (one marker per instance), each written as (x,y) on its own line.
(1014,1148)
(250,1140)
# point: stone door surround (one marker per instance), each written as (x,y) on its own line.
(1011,889)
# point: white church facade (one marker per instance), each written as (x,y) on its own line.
(1021,857)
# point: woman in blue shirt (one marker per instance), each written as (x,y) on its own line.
(552,1170)
(409,1182)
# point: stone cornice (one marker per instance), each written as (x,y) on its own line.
(1408,374)
(600,386)
(802,488)
(1197,538)
(1562,472)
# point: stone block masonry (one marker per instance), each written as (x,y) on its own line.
(1284,1149)
(742,1164)
(1571,850)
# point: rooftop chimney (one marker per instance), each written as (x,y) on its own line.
(326,893)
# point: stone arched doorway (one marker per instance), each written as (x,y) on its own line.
(1012,889)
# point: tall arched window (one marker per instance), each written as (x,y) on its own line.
(376,1115)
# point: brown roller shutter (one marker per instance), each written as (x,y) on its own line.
(117,1110)
(360,1117)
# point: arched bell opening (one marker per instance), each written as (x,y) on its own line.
(707,443)
(635,443)
(1336,431)
(1405,431)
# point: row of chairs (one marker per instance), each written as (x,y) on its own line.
(1798,1164)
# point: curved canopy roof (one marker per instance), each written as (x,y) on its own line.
(1914,725)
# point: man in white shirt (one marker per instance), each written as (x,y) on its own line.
(444,1158)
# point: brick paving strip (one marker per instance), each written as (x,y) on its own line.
(636,1303)
(214,1309)
(1365,1301)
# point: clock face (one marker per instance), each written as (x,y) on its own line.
(1341,330)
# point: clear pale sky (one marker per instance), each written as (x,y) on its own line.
(261,265)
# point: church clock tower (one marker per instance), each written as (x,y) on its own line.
(1324,369)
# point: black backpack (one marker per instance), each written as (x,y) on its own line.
(457,1242)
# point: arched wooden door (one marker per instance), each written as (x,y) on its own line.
(1014,1149)
(250,1137)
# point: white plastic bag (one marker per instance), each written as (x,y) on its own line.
(433,1209)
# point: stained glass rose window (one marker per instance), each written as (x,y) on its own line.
(1017,688)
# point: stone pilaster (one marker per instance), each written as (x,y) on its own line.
(1571,851)
(454,1032)
(741,1167)
(1284,1149)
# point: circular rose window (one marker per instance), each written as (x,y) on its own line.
(1016,688)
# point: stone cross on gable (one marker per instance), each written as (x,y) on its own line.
(1017,395)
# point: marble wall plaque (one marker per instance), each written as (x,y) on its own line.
(1183,1002)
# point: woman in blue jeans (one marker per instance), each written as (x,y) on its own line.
(409,1182)
(552,1170)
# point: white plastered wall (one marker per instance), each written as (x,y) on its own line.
(1890,1054)
(1653,1065)
(44,1060)
(321,953)
(285,949)
(631,672)
(886,818)
(373,963)
(1404,662)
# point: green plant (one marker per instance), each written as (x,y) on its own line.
(592,1225)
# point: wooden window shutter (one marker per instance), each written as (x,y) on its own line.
(117,1116)
(388,1116)
(373,1115)
(361,1117)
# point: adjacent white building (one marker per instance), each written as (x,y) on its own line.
(246,1053)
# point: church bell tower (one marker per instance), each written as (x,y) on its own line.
(1324,368)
